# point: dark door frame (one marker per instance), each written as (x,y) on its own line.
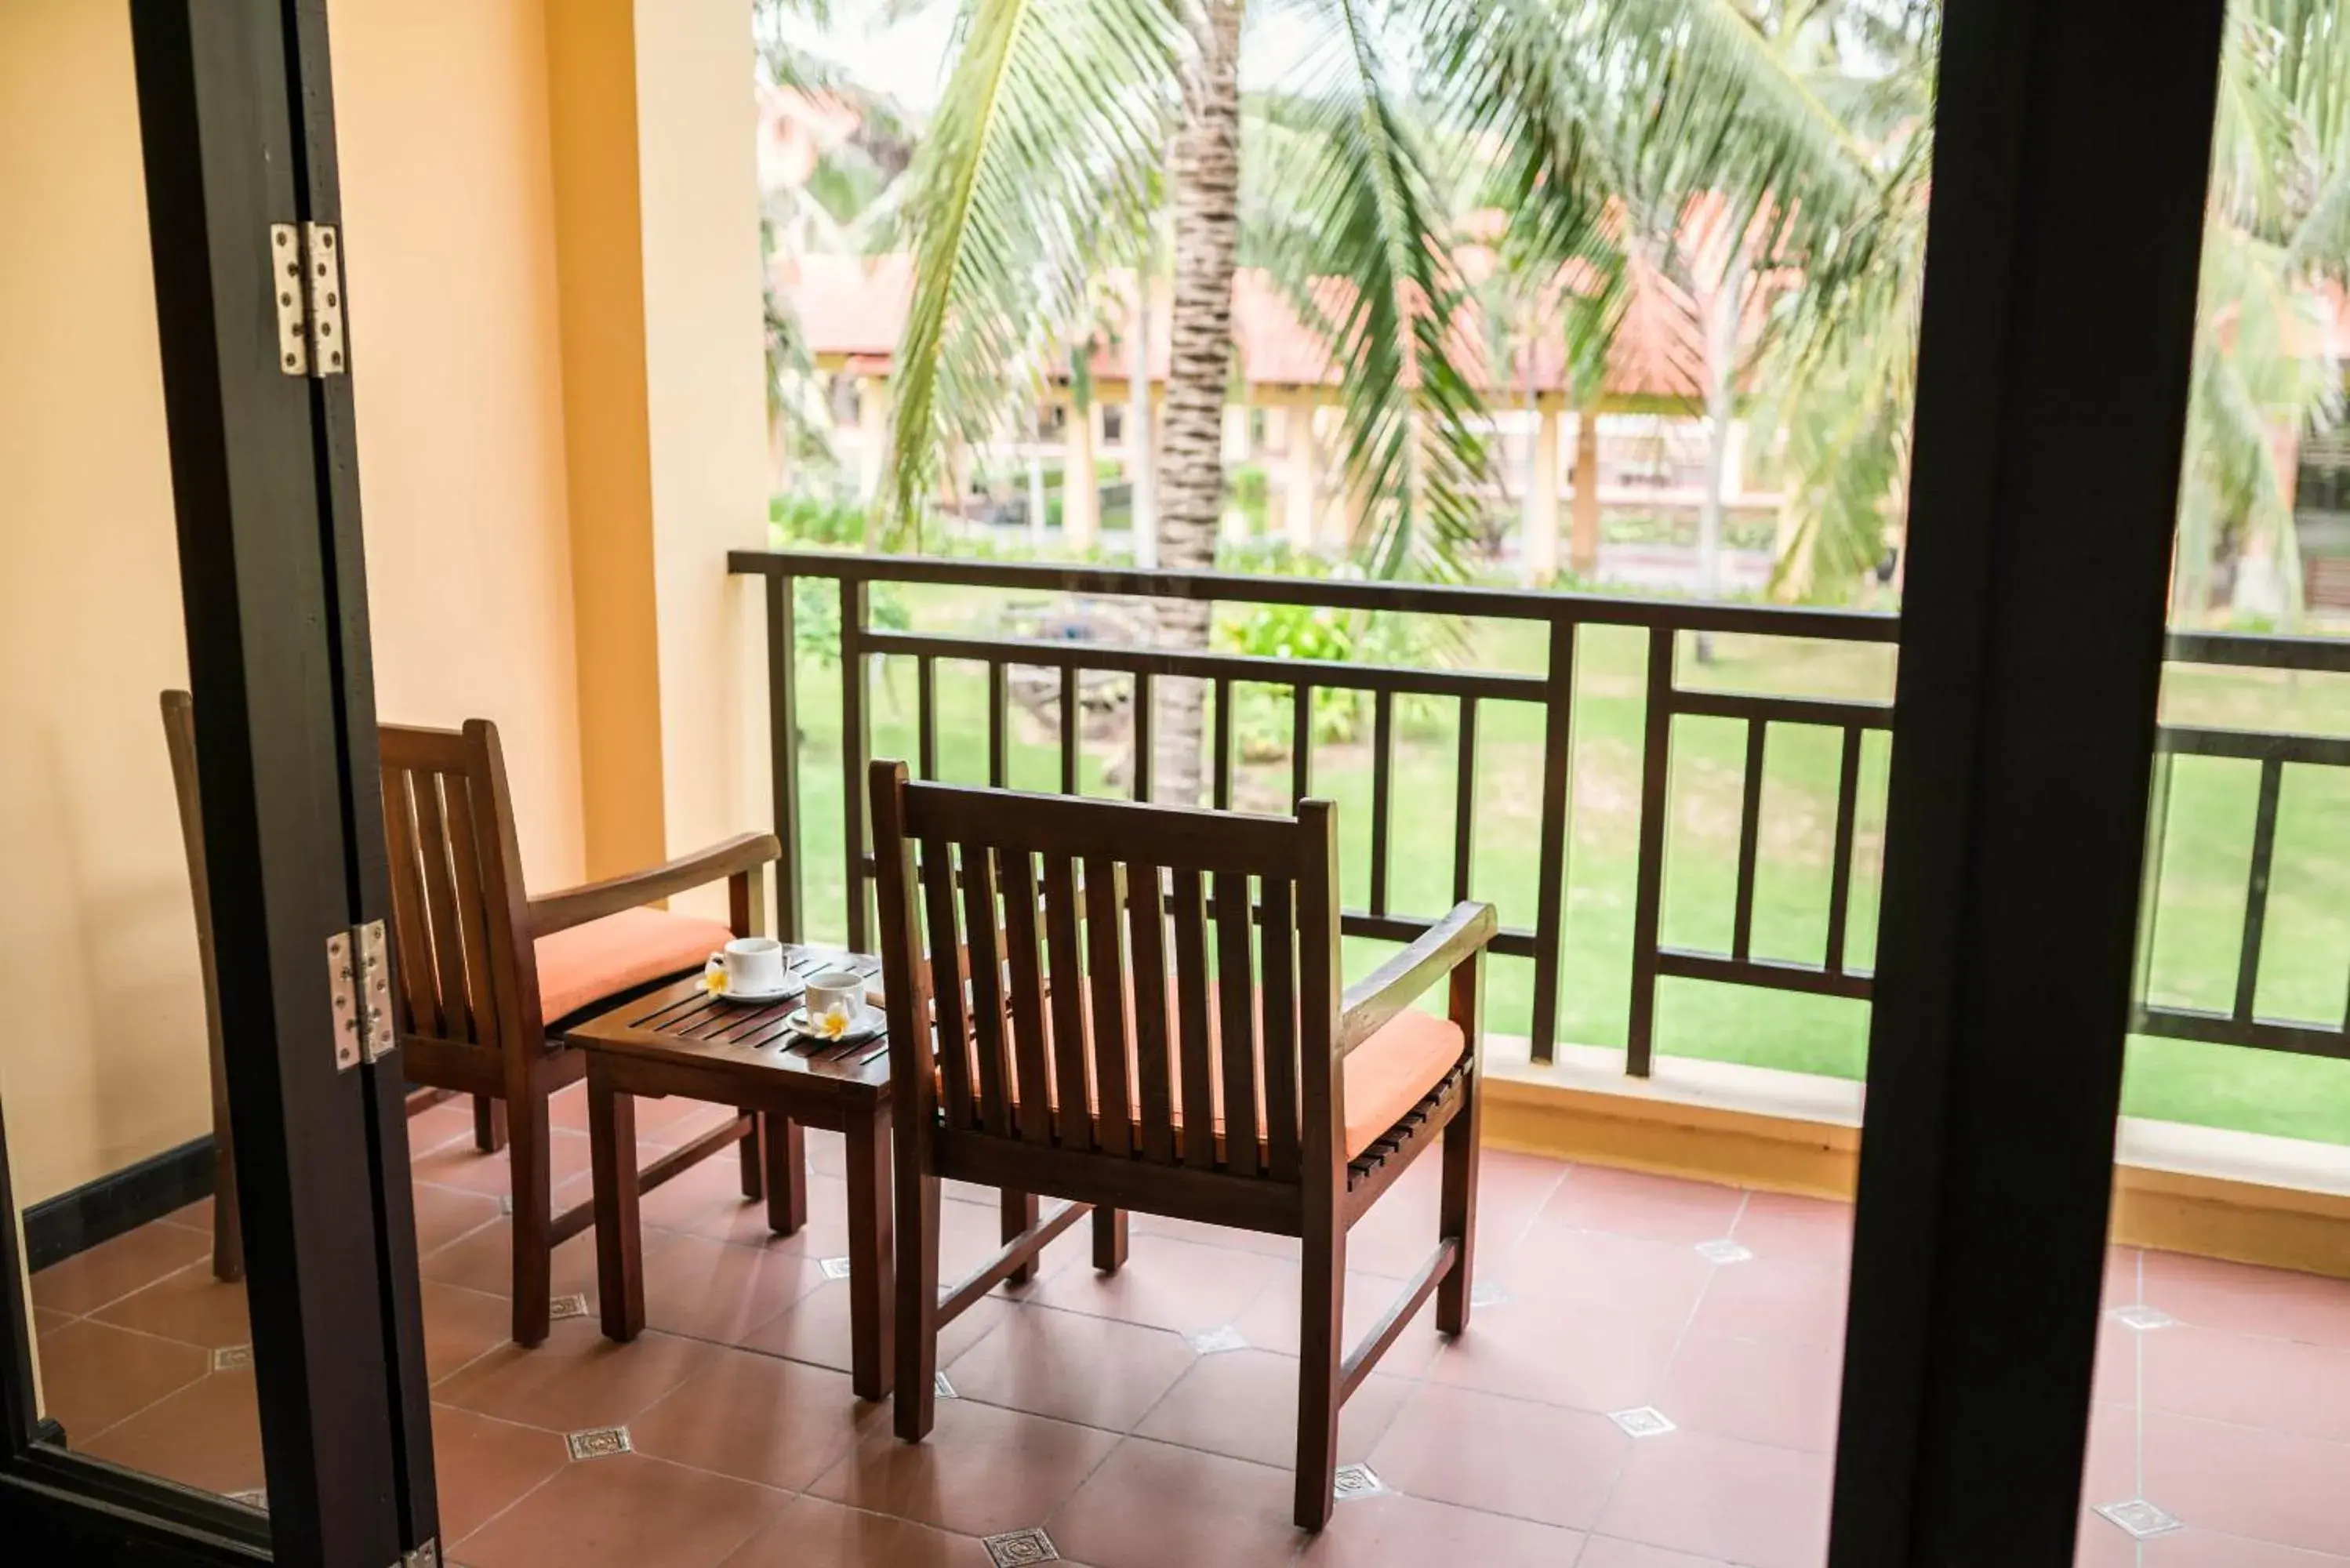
(236,125)
(2071,162)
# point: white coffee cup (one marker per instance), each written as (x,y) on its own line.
(748,966)
(835,994)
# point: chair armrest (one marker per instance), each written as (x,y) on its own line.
(594,900)
(1396,984)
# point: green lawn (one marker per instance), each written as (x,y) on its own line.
(2305,969)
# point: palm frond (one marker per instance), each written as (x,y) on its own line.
(1036,166)
(1367,259)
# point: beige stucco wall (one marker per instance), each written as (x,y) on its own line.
(448,220)
(102,1060)
(449,232)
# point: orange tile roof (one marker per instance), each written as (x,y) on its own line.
(855,307)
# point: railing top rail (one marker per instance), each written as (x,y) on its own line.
(1415,598)
(2259,650)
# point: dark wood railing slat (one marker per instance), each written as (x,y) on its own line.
(1383,756)
(1069,729)
(1649,894)
(1550,866)
(1222,791)
(1749,838)
(1146,729)
(856,749)
(1146,907)
(1067,995)
(999,720)
(1301,742)
(2256,888)
(784,751)
(1195,1041)
(926,716)
(1464,802)
(1236,1008)
(1840,853)
(1112,1041)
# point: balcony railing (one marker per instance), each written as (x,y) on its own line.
(1552,692)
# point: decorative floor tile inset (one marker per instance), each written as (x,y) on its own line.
(946,1391)
(1488,1296)
(562,1307)
(836,1268)
(1217,1340)
(256,1499)
(599,1443)
(1644,1421)
(2139,1518)
(1021,1546)
(231,1357)
(1359,1480)
(1725,1251)
(2142,1317)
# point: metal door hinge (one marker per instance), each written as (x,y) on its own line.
(306,270)
(425,1556)
(359,978)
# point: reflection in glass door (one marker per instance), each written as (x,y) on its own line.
(2224,1350)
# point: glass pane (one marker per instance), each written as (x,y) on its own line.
(2219,1332)
(142,1344)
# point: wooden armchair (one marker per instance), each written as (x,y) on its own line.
(1162,1053)
(486,977)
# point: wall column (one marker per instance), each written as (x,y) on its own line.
(1539,529)
(657,231)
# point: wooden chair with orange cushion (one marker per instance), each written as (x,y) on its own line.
(486,977)
(1224,1075)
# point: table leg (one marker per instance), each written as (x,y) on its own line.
(619,1235)
(872,1294)
(787,1153)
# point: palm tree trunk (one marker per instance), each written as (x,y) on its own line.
(1191,468)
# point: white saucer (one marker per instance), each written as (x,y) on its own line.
(789,988)
(870,1021)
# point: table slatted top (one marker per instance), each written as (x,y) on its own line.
(685,1023)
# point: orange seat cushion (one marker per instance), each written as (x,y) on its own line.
(582,966)
(1393,1071)
(1386,1075)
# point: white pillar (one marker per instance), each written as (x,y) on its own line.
(1080,491)
(872,435)
(1538,541)
(1300,479)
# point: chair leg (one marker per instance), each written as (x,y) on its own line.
(1019,1211)
(488,1123)
(915,1408)
(1323,1294)
(752,1153)
(1109,1239)
(1457,1210)
(527,1156)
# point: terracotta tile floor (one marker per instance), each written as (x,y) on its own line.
(1083,1407)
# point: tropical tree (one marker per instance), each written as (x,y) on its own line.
(1037,173)
(2276,233)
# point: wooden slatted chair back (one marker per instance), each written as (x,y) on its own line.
(465,971)
(1146,983)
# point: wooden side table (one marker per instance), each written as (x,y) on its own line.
(681,1040)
